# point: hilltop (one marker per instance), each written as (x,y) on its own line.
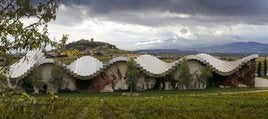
(84,44)
(100,50)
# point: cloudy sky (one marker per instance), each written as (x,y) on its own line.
(181,24)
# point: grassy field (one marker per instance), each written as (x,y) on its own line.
(207,103)
(206,91)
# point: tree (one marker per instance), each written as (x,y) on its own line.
(132,74)
(57,77)
(205,75)
(15,34)
(259,69)
(265,67)
(178,80)
(184,73)
(172,80)
(36,80)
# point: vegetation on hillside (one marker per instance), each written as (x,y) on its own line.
(100,50)
(84,44)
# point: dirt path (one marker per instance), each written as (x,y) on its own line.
(107,112)
(82,113)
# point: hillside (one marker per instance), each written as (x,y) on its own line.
(83,44)
(232,48)
(237,47)
(100,50)
(166,51)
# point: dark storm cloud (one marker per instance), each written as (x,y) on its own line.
(209,7)
(207,11)
(183,31)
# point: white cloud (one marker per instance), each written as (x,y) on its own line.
(149,42)
(76,21)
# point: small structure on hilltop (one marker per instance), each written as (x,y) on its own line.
(36,73)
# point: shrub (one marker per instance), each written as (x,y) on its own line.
(36,79)
(132,74)
(259,69)
(205,75)
(184,76)
(57,74)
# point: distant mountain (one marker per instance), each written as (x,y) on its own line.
(236,47)
(232,48)
(166,51)
(86,44)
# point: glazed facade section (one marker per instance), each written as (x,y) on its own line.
(91,75)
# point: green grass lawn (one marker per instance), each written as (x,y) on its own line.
(204,104)
(264,77)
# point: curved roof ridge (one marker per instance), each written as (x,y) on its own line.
(115,60)
(222,67)
(26,64)
(81,68)
(99,66)
(153,66)
(85,67)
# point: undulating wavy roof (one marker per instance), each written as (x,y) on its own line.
(221,67)
(155,67)
(25,65)
(87,67)
(115,60)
